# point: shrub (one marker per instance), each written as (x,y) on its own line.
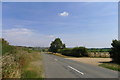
(115,51)
(66,51)
(76,52)
(79,51)
(6,48)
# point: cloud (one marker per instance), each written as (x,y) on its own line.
(51,36)
(17,31)
(26,37)
(63,13)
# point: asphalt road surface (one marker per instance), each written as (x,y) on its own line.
(58,67)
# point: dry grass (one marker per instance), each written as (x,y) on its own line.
(88,60)
(58,54)
(15,65)
(93,61)
(34,68)
(10,68)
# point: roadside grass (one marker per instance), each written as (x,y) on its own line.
(33,68)
(58,54)
(112,66)
(22,64)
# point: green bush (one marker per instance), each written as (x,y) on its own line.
(66,51)
(6,48)
(115,51)
(79,51)
(76,52)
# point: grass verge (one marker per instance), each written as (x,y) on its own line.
(22,64)
(112,66)
(58,54)
(33,68)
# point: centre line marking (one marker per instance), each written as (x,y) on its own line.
(76,70)
(56,60)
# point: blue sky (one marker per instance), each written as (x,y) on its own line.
(89,24)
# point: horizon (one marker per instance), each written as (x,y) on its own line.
(76,24)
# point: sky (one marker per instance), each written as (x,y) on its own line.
(60,0)
(89,24)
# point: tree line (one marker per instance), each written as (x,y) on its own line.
(57,46)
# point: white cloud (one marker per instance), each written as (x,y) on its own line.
(26,37)
(63,13)
(51,36)
(17,31)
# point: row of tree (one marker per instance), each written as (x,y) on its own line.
(58,46)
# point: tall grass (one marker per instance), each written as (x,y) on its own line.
(33,68)
(112,66)
(16,62)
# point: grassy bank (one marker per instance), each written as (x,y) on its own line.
(33,67)
(20,62)
(112,66)
(58,54)
(22,65)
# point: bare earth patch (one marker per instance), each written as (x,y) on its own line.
(93,61)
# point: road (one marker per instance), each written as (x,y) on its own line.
(58,67)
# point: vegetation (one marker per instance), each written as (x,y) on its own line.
(115,51)
(56,45)
(98,49)
(18,61)
(6,48)
(32,67)
(76,52)
(112,66)
(115,55)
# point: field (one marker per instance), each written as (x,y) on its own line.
(93,61)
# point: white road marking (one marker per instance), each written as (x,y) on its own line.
(56,60)
(76,70)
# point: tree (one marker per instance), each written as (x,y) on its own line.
(56,44)
(115,51)
(63,46)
